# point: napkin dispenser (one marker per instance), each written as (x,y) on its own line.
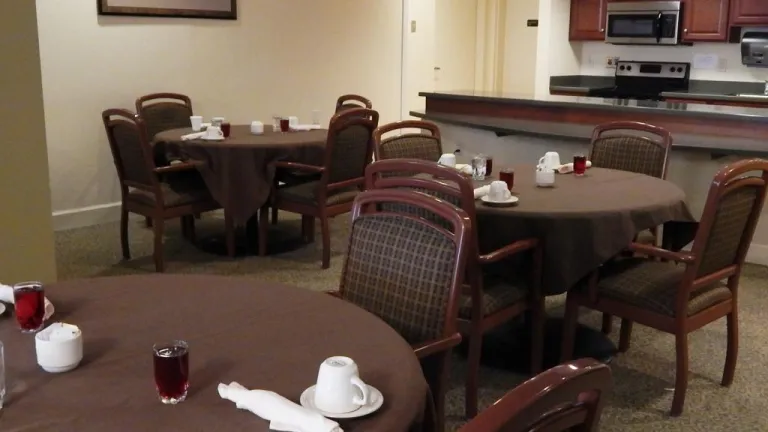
(754,47)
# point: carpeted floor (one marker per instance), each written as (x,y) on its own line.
(643,376)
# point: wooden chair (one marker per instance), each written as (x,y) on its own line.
(142,188)
(351,101)
(408,271)
(408,145)
(347,152)
(487,301)
(685,291)
(161,112)
(633,152)
(568,397)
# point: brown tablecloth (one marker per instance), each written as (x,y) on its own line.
(263,335)
(238,170)
(583,221)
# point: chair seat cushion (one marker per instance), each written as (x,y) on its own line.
(178,190)
(653,285)
(305,193)
(498,293)
(295,177)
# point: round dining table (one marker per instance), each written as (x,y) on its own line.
(263,335)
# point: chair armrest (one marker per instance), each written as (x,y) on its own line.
(428,348)
(179,167)
(657,252)
(334,294)
(299,166)
(506,251)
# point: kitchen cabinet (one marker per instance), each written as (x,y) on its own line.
(705,20)
(587,20)
(749,12)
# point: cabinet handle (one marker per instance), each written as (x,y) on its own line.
(602,30)
(685,30)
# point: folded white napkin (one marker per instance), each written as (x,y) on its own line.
(282,414)
(482,191)
(305,127)
(568,168)
(194,135)
(6,296)
(464,168)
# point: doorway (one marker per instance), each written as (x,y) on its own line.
(521,42)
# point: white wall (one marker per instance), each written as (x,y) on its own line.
(555,55)
(286,56)
(593,56)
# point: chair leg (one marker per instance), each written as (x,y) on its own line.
(569,329)
(191,229)
(184,227)
(274,215)
(158,224)
(625,335)
(326,233)
(733,348)
(229,230)
(124,234)
(435,369)
(538,319)
(307,228)
(148,221)
(681,374)
(473,370)
(607,327)
(264,229)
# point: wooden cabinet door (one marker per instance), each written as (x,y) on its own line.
(749,12)
(705,20)
(587,20)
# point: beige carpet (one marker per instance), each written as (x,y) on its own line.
(643,376)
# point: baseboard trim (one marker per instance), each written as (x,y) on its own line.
(757,254)
(86,216)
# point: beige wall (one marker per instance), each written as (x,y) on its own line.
(26,238)
(288,57)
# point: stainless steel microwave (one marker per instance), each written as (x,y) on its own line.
(644,23)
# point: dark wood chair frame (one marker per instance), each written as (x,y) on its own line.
(665,142)
(726,181)
(449,182)
(158,213)
(352,117)
(568,397)
(439,350)
(343,101)
(433,129)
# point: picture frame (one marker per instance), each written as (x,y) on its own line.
(206,9)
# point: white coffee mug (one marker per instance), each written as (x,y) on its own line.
(257,128)
(550,160)
(59,347)
(214,132)
(545,178)
(448,159)
(498,191)
(339,388)
(293,121)
(196,122)
(217,121)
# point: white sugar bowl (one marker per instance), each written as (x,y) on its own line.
(59,347)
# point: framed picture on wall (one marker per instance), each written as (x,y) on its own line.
(211,9)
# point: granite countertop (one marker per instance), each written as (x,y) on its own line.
(749,114)
(726,91)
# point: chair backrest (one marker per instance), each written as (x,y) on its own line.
(728,222)
(568,397)
(408,145)
(403,268)
(131,150)
(350,101)
(629,151)
(164,111)
(349,148)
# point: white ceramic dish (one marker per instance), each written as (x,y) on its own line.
(510,202)
(2,308)
(376,400)
(212,139)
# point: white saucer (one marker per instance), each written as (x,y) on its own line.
(205,138)
(2,308)
(509,202)
(375,400)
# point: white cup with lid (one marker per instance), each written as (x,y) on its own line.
(59,347)
(257,127)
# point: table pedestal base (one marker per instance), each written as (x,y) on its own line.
(509,345)
(282,238)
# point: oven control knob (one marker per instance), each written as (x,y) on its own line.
(680,70)
(672,69)
(622,67)
(629,68)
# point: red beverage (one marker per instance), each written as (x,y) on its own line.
(285,125)
(579,165)
(507,175)
(29,305)
(226,128)
(172,371)
(488,166)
